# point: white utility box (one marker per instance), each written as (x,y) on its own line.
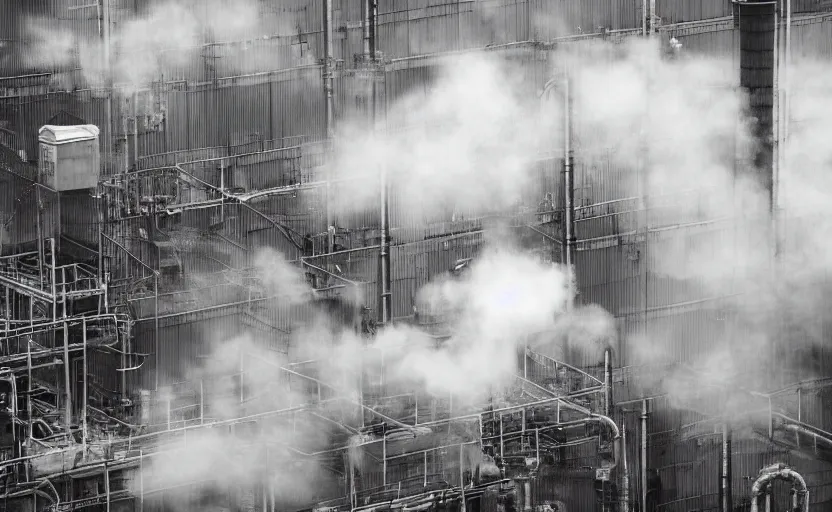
(69,157)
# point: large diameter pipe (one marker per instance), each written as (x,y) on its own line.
(761,486)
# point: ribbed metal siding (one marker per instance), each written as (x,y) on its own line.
(813,37)
(681,11)
(27,114)
(18,207)
(79,217)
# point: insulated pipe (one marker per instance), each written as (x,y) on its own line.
(385,312)
(801,430)
(367,8)
(778,471)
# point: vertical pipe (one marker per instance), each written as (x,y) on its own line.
(569,189)
(527,495)
(52,275)
(461,482)
(644,15)
(329,118)
(156,329)
(242,376)
(84,385)
(108,77)
(537,446)
(502,454)
(384,253)
(425,484)
(107,485)
(384,457)
(367,15)
(652,17)
(727,496)
(68,394)
(624,497)
(644,454)
(40,233)
(29,391)
(124,362)
(201,401)
(607,382)
(141,481)
(136,144)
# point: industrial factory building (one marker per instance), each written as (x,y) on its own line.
(415,255)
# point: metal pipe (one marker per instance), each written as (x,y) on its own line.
(782,472)
(384,457)
(84,381)
(68,394)
(461,481)
(727,504)
(29,393)
(624,500)
(384,253)
(797,429)
(569,189)
(527,495)
(156,330)
(40,234)
(52,273)
(644,459)
(367,15)
(107,475)
(328,72)
(136,145)
(607,382)
(652,17)
(201,402)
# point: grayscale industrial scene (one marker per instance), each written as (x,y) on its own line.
(415,255)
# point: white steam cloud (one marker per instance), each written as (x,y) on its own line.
(168,38)
(466,145)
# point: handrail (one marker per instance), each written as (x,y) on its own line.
(565,365)
(129,254)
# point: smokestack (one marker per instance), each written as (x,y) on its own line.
(756,22)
